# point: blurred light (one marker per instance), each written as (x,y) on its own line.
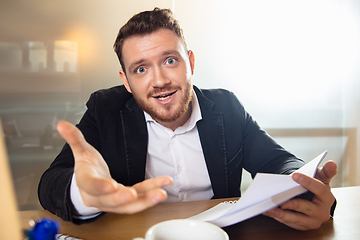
(66,56)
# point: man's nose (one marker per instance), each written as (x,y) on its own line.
(160,78)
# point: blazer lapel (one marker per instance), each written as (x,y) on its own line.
(212,138)
(135,141)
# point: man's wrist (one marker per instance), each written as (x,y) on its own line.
(84,211)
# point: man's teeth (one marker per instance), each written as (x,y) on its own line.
(164,97)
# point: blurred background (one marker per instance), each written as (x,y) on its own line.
(294,64)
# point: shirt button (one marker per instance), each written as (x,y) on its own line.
(182,197)
(179,169)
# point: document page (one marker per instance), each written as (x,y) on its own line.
(266,192)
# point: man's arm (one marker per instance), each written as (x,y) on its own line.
(264,154)
(303,214)
(97,187)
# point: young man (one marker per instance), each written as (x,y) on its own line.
(158,137)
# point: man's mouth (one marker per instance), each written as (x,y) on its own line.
(164,96)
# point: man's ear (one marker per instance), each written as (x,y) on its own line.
(192,61)
(124,80)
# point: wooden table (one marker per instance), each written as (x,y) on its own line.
(344,225)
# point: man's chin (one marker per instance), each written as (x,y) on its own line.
(165,117)
(167,113)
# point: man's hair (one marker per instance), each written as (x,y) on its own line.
(145,23)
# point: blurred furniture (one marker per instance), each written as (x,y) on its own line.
(348,162)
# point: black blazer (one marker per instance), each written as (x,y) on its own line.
(114,124)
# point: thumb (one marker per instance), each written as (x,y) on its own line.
(92,173)
(72,136)
(327,172)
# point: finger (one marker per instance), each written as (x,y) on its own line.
(147,200)
(292,219)
(300,224)
(153,183)
(148,192)
(313,185)
(122,195)
(327,172)
(323,196)
(124,200)
(302,206)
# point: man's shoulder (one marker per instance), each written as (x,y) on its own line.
(215,91)
(219,100)
(113,92)
(216,95)
(110,99)
(113,95)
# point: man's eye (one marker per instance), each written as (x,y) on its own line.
(140,70)
(170,61)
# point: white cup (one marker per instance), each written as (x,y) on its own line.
(184,229)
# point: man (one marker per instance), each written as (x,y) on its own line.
(158,137)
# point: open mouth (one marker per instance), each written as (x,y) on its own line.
(165,96)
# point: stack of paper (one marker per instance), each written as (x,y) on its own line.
(266,192)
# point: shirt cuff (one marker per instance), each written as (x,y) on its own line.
(84,211)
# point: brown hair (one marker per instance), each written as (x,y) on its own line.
(144,23)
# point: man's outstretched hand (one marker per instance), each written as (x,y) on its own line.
(97,187)
(302,214)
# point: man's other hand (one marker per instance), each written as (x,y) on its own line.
(302,214)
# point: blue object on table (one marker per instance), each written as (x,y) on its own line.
(46,229)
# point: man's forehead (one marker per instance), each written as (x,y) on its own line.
(160,42)
(162,35)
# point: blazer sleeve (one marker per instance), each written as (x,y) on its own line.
(54,185)
(260,152)
(263,154)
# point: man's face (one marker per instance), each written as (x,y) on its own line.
(158,74)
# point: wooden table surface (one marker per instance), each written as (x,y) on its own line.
(344,225)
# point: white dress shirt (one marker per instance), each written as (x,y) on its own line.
(177,154)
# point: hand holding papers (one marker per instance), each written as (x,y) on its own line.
(265,192)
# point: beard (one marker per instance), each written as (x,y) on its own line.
(166,113)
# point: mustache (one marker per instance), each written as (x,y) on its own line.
(167,89)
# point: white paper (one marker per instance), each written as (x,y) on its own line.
(266,192)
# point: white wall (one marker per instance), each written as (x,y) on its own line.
(294,64)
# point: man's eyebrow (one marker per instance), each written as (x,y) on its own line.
(170,52)
(134,64)
(141,61)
